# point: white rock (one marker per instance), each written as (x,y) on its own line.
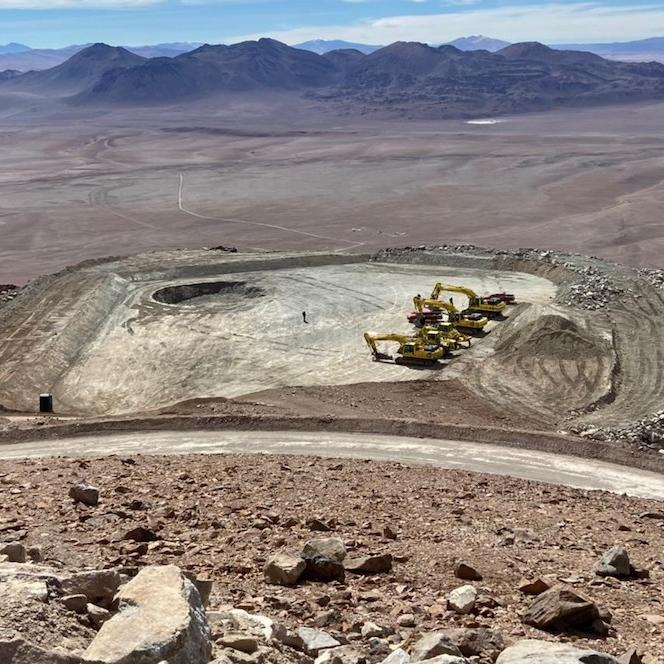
(315,640)
(544,652)
(462,600)
(160,616)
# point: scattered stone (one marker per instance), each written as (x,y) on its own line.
(318,525)
(238,641)
(377,564)
(533,586)
(559,609)
(315,640)
(531,651)
(477,642)
(141,534)
(432,645)
(370,630)
(615,562)
(398,656)
(632,656)
(341,655)
(462,600)
(98,615)
(75,603)
(99,586)
(84,493)
(467,572)
(160,617)
(653,619)
(15,552)
(35,554)
(389,532)
(284,569)
(321,568)
(406,620)
(328,547)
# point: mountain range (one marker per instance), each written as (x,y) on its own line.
(23,58)
(405,78)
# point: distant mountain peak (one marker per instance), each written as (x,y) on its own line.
(323,46)
(479,43)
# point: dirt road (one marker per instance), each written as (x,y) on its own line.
(537,466)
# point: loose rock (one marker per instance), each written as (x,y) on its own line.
(284,569)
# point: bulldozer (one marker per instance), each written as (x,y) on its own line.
(411,350)
(491,306)
(429,312)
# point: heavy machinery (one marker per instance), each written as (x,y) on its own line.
(411,350)
(507,298)
(492,306)
(472,322)
(443,334)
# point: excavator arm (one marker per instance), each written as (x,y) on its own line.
(492,305)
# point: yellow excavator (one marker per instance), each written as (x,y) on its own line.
(411,350)
(492,306)
(443,334)
(472,322)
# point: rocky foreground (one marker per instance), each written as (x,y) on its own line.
(242,559)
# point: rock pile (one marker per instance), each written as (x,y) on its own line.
(590,284)
(646,434)
(654,276)
(321,559)
(8,292)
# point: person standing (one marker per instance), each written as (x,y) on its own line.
(304,317)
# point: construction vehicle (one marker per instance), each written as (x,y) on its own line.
(507,298)
(473,322)
(444,333)
(491,306)
(411,350)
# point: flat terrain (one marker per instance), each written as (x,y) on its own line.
(79,184)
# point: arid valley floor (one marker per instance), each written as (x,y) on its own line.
(77,184)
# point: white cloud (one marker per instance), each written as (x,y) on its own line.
(552,23)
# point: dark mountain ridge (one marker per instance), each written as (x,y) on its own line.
(405,77)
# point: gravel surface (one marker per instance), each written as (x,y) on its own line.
(222,516)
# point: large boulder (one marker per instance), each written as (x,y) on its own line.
(160,617)
(559,609)
(16,650)
(545,652)
(15,552)
(284,568)
(614,562)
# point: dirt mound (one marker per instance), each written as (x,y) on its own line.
(553,336)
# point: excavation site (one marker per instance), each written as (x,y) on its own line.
(220,422)
(271,335)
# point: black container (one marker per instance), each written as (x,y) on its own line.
(45,403)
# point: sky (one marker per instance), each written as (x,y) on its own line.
(56,23)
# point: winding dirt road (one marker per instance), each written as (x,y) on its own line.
(492,459)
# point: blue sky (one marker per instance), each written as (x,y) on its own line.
(53,23)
